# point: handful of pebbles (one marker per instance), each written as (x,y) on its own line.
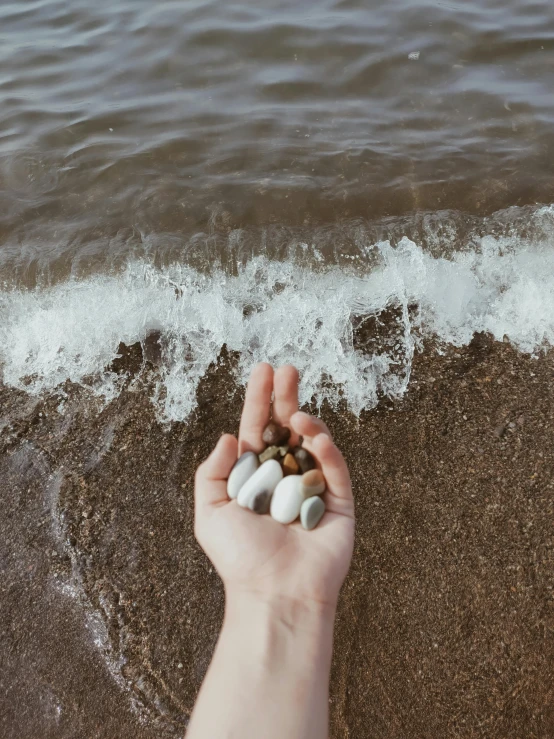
(282,481)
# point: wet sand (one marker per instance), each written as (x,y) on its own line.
(110,611)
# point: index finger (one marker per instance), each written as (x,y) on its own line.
(255,414)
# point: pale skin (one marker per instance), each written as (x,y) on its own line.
(269,675)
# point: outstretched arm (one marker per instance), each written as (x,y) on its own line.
(269,676)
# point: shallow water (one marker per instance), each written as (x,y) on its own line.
(326,322)
(130,127)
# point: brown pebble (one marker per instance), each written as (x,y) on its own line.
(312,483)
(290,465)
(499,431)
(261,502)
(275,435)
(304,459)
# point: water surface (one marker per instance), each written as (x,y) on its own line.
(129,127)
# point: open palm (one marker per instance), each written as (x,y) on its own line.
(256,554)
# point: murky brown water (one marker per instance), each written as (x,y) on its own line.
(128,121)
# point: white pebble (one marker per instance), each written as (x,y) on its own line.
(287,500)
(244,468)
(266,477)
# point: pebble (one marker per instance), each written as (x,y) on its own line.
(275,435)
(287,500)
(304,459)
(244,468)
(311,512)
(266,478)
(260,502)
(273,452)
(290,465)
(312,483)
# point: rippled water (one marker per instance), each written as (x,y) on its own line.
(150,128)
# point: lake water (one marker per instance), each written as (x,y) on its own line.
(130,126)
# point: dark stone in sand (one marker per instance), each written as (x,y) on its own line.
(275,435)
(501,430)
(305,460)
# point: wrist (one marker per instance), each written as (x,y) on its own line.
(280,630)
(297,613)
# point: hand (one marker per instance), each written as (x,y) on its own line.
(254,555)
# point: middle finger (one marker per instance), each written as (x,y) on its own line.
(285,402)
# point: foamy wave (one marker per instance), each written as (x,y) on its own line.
(280,312)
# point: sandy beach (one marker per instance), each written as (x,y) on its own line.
(110,610)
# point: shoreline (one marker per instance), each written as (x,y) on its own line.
(445,623)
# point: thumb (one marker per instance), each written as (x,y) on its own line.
(211,477)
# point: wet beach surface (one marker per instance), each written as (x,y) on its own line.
(445,623)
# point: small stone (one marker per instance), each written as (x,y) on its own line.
(311,512)
(244,468)
(266,477)
(312,483)
(287,500)
(499,431)
(260,502)
(273,452)
(290,465)
(275,435)
(304,459)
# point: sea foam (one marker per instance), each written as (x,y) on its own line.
(280,312)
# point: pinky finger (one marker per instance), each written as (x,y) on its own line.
(308,426)
(335,471)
